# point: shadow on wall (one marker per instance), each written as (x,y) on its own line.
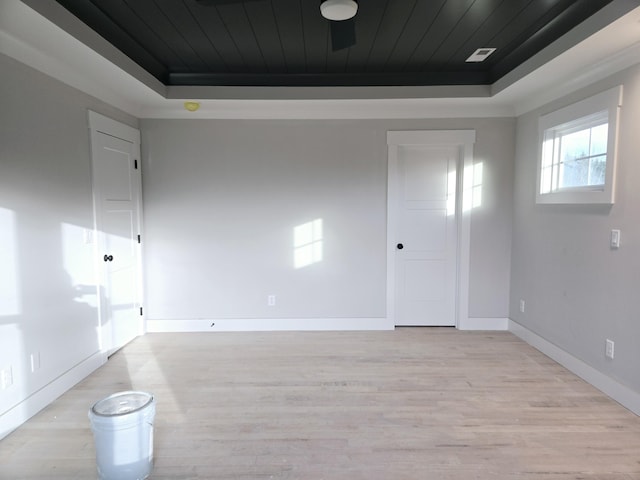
(48,303)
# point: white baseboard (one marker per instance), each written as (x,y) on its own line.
(26,409)
(478,323)
(301,324)
(267,324)
(620,393)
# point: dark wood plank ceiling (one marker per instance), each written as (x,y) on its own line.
(287,42)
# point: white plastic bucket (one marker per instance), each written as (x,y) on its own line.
(122,426)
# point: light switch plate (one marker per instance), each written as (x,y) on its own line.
(615,238)
(609,349)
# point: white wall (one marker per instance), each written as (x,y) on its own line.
(47,282)
(578,291)
(222,198)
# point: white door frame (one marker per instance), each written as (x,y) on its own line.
(464,140)
(100,124)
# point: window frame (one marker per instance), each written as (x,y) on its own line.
(581,115)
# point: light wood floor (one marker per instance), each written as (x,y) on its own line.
(409,404)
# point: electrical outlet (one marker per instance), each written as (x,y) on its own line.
(521,306)
(271,300)
(608,349)
(6,378)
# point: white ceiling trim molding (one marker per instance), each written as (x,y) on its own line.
(601,22)
(68,23)
(573,81)
(334,109)
(606,52)
(29,38)
(58,69)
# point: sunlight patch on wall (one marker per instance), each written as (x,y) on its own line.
(77,260)
(472,191)
(307,243)
(10,303)
(451,193)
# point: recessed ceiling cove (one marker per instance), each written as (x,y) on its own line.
(290,42)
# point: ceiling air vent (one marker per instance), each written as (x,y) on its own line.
(480,55)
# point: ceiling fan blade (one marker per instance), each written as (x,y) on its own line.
(343,34)
(209,3)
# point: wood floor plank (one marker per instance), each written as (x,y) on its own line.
(409,404)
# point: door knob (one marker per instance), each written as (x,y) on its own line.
(108,258)
(400,246)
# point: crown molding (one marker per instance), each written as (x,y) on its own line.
(573,81)
(606,52)
(335,109)
(31,39)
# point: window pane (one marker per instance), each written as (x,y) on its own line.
(547,151)
(575,145)
(597,170)
(583,157)
(574,173)
(599,139)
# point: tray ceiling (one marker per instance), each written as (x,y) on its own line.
(288,42)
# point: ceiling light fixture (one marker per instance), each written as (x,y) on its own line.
(338,10)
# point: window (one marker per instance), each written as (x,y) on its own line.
(578,151)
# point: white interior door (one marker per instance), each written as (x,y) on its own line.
(426,235)
(118,212)
(428,278)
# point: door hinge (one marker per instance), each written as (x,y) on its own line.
(140,311)
(135,164)
(138,238)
